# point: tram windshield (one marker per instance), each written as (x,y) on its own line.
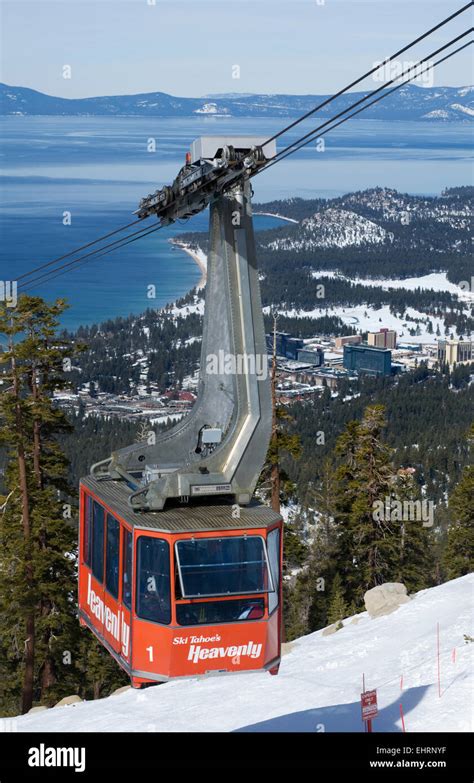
(223,566)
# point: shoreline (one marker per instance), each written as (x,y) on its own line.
(199,257)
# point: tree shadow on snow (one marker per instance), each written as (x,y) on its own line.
(343,717)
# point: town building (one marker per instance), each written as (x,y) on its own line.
(327,376)
(292,346)
(368,359)
(455,351)
(312,356)
(348,339)
(385,338)
(286,345)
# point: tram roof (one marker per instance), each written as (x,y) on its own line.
(195,517)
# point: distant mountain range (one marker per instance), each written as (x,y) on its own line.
(408,103)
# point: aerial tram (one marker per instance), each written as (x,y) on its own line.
(179,566)
(182,592)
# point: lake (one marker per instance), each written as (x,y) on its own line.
(98,168)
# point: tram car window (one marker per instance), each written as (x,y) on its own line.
(153,580)
(127,569)
(98,515)
(273,548)
(87,548)
(112,556)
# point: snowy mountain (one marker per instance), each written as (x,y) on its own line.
(408,103)
(390,205)
(371,217)
(334,228)
(320,681)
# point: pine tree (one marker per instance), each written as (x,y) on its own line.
(345,489)
(38,629)
(274,479)
(459,555)
(307,595)
(322,561)
(100,674)
(367,550)
(296,603)
(375,541)
(281,442)
(416,566)
(338,609)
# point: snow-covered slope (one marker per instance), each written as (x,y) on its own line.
(320,680)
(366,218)
(334,228)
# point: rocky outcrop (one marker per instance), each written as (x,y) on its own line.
(68,700)
(385,599)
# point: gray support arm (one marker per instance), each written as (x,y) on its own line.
(234,394)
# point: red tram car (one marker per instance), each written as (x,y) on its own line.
(191,590)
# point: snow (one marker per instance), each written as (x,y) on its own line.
(330,273)
(436,114)
(365,318)
(211,108)
(334,228)
(463,109)
(435,281)
(188,309)
(167,419)
(319,684)
(289,511)
(277,215)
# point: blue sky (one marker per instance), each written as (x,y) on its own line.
(189,47)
